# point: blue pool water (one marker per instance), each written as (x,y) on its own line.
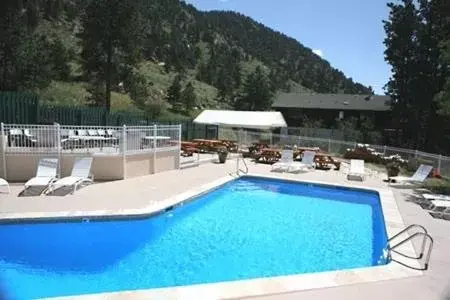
(248,228)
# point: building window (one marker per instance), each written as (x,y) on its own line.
(341,115)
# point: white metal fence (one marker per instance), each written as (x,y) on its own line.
(335,147)
(21,139)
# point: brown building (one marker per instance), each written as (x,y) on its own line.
(331,107)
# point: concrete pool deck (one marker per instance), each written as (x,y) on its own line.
(139,193)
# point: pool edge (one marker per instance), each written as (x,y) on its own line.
(253,287)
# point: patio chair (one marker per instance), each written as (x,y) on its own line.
(45,174)
(440,197)
(5,183)
(419,176)
(357,170)
(441,207)
(287,159)
(307,162)
(81,174)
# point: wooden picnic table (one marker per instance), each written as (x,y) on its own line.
(209,145)
(323,160)
(189,148)
(268,155)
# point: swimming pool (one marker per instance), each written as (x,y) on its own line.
(248,228)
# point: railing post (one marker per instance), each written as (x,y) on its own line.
(124,150)
(155,128)
(58,147)
(329,145)
(439,164)
(416,153)
(180,131)
(3,150)
(384,150)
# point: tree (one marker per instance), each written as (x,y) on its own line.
(29,59)
(112,38)
(257,93)
(414,32)
(188,97)
(174,94)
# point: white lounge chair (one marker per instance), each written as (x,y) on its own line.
(357,170)
(439,206)
(3,182)
(81,174)
(419,176)
(436,197)
(45,174)
(307,162)
(287,158)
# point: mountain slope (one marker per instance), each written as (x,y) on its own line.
(214,53)
(236,35)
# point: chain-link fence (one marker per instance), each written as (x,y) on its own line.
(246,138)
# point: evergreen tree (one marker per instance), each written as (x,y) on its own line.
(112,38)
(174,94)
(415,30)
(257,94)
(188,97)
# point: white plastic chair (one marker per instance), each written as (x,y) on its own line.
(357,170)
(307,162)
(3,182)
(419,176)
(45,174)
(440,197)
(441,207)
(287,158)
(81,174)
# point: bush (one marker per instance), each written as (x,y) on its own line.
(393,169)
(363,153)
(414,163)
(438,186)
(369,155)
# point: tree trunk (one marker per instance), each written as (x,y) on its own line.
(108,77)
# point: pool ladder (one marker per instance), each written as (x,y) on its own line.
(421,232)
(240,171)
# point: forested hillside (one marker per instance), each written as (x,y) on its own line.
(158,56)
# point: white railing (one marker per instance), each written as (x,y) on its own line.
(335,147)
(21,139)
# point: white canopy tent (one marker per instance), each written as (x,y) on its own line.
(260,120)
(242,119)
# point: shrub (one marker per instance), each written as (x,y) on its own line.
(438,186)
(369,155)
(392,168)
(364,153)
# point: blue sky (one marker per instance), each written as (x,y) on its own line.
(348,33)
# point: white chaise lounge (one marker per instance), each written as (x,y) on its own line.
(45,175)
(287,159)
(5,183)
(357,170)
(419,176)
(307,162)
(81,174)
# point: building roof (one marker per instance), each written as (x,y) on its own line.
(244,119)
(332,101)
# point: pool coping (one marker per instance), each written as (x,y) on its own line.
(253,287)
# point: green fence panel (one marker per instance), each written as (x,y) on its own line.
(18,107)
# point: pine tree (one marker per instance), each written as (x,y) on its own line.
(415,30)
(188,97)
(257,94)
(112,38)
(174,94)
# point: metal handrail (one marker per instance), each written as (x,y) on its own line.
(427,258)
(424,234)
(406,230)
(245,165)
